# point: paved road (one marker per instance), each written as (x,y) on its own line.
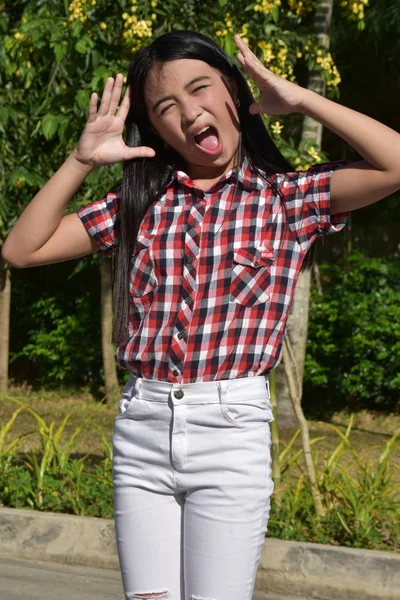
(22,579)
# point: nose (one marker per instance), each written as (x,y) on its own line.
(190,112)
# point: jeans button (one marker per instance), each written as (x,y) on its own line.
(179,394)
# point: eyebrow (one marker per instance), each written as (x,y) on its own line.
(191,82)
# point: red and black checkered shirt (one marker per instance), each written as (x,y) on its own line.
(213,272)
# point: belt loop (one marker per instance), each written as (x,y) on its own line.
(267,384)
(138,385)
(222,387)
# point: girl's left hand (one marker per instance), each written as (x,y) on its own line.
(278,96)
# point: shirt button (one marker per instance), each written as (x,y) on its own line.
(256,264)
(181,335)
(189,260)
(175,372)
(188,300)
(178,394)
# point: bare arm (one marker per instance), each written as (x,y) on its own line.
(42,235)
(367,181)
(352,186)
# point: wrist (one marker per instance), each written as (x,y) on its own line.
(306,100)
(78,165)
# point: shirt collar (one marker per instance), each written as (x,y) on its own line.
(247,174)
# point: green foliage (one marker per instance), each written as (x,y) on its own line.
(360,498)
(55,333)
(353,349)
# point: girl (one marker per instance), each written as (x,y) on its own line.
(208,232)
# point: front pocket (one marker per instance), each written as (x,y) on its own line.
(251,276)
(253,413)
(125,405)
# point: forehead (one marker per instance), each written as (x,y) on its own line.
(174,75)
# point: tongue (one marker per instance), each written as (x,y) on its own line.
(208,140)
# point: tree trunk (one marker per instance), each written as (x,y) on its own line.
(109,365)
(297,326)
(5,302)
(295,385)
(298,316)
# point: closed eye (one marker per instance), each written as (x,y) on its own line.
(167,107)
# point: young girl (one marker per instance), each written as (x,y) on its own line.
(208,233)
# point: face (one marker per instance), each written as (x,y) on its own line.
(185,96)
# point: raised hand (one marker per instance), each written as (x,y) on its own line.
(278,96)
(101,141)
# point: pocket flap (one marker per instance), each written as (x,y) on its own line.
(254,257)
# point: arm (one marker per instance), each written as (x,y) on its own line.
(367,181)
(41,234)
(352,186)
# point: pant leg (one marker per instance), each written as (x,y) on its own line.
(148,529)
(148,509)
(223,461)
(225,524)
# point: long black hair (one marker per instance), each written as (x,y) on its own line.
(145,179)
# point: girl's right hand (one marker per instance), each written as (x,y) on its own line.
(101,141)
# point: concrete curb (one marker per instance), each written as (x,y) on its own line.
(293,569)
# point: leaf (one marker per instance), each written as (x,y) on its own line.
(60,50)
(275,13)
(82,98)
(230,46)
(49,126)
(222,3)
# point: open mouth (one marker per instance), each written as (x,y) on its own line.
(208,140)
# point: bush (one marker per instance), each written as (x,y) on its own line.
(353,349)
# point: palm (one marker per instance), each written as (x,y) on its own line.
(101,141)
(278,96)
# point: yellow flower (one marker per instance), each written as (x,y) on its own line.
(153,4)
(103,26)
(154,16)
(299,54)
(18,35)
(277,128)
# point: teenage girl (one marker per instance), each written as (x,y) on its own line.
(208,232)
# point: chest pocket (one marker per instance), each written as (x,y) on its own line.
(250,282)
(142,277)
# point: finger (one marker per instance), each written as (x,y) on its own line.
(125,105)
(92,108)
(116,93)
(254,109)
(106,97)
(247,57)
(139,152)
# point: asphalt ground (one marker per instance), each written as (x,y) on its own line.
(21,579)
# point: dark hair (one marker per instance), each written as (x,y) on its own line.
(145,179)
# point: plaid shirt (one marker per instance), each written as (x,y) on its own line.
(213,273)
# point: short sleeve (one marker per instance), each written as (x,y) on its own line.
(307,203)
(101,219)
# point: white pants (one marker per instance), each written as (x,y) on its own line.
(192,486)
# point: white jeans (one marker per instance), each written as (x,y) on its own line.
(192,487)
